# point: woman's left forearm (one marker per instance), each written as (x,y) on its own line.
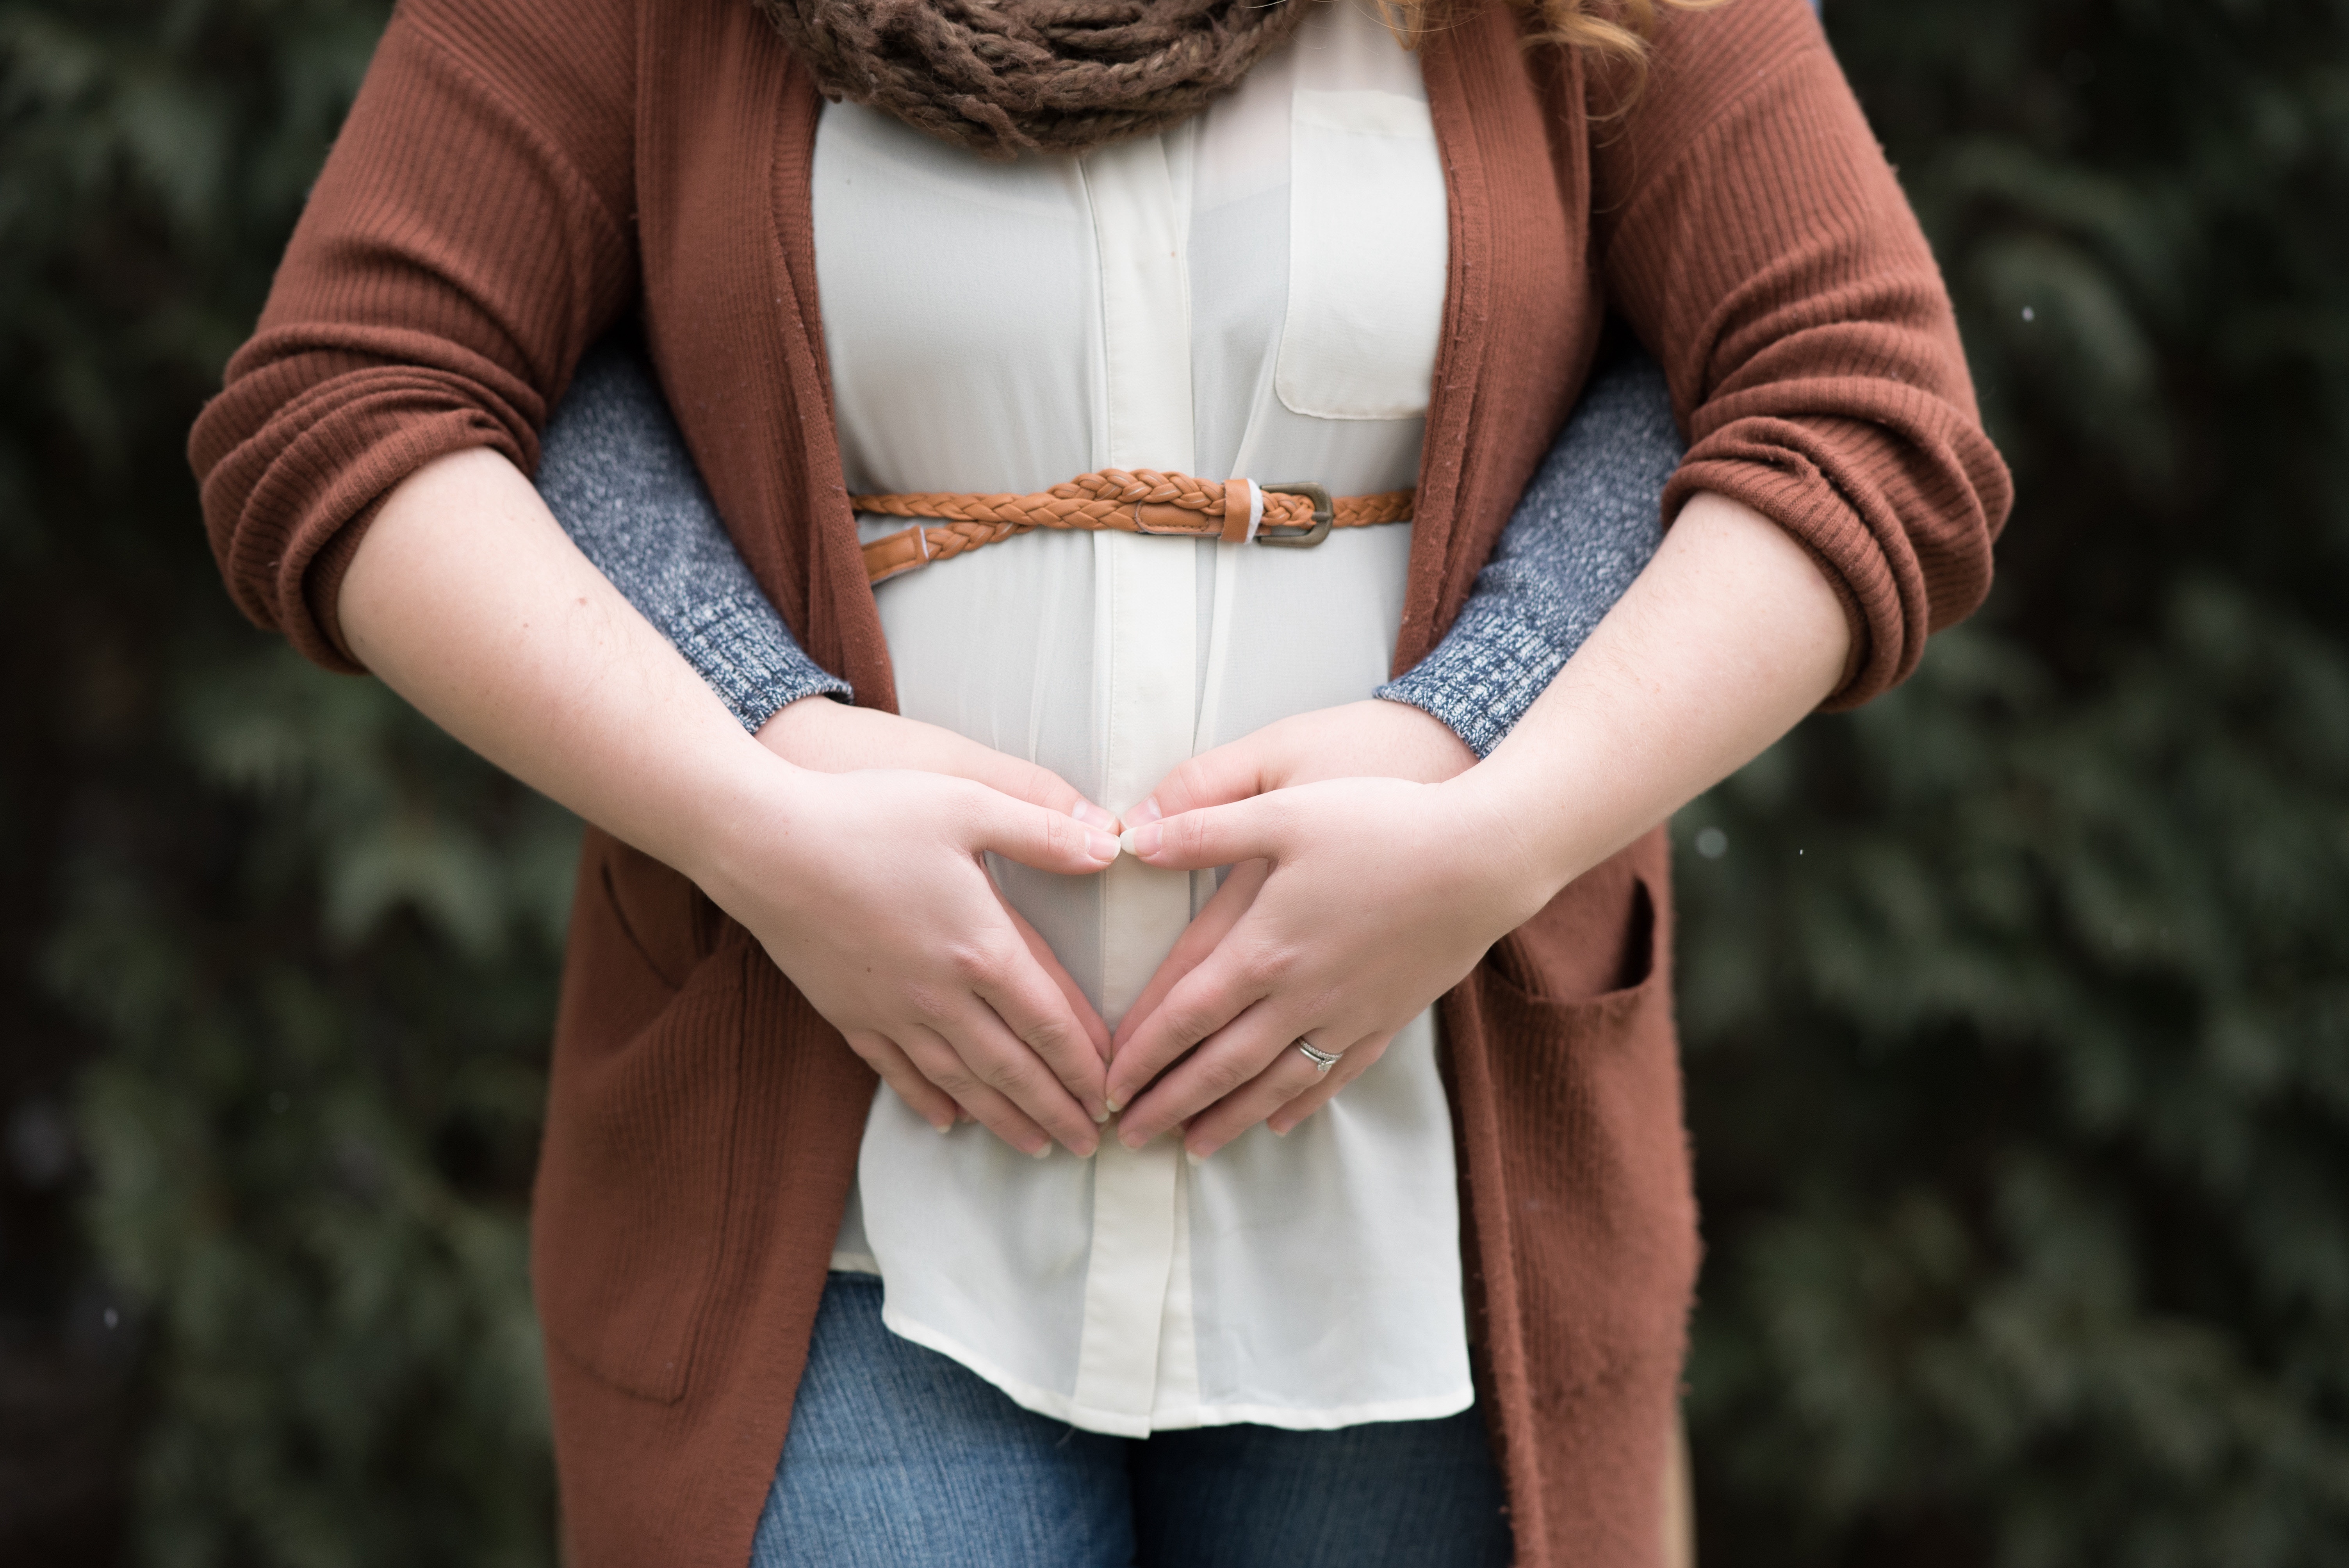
(1374,896)
(1730,637)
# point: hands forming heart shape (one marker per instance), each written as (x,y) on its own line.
(1374,860)
(1359,891)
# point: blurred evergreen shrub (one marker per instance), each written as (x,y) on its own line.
(2017,1005)
(304,943)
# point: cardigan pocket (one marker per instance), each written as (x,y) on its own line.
(632,1200)
(670,924)
(1598,1200)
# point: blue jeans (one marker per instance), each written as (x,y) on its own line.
(899,1456)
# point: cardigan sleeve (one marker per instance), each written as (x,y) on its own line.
(1749,227)
(465,241)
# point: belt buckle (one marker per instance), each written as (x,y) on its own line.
(1299,538)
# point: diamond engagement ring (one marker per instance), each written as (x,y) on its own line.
(1322,1060)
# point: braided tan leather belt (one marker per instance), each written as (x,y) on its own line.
(1141,502)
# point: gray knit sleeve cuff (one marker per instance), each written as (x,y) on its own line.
(1587,525)
(738,643)
(1487,671)
(614,471)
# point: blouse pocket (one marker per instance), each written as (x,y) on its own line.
(1367,248)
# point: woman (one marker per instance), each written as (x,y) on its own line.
(1443,221)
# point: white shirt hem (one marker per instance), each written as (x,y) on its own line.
(1119,1424)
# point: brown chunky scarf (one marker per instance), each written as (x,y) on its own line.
(1007,77)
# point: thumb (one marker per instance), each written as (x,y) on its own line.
(1036,836)
(1233,771)
(943,752)
(1249,830)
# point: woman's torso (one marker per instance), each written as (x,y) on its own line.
(1256,292)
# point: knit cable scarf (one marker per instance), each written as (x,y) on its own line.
(1032,75)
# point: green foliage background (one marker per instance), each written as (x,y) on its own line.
(2017,1005)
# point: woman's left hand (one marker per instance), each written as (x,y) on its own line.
(1368,898)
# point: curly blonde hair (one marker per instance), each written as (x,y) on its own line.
(1616,30)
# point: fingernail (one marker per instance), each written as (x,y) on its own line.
(1279,1131)
(1195,1159)
(1145,840)
(1147,812)
(1091,816)
(1100,1117)
(943,1127)
(1043,1153)
(1104,847)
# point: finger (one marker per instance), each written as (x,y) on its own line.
(1225,1060)
(1016,777)
(944,1067)
(1200,938)
(1292,1075)
(1025,1015)
(1234,772)
(926,1099)
(1202,1002)
(1024,1066)
(1050,962)
(1351,1065)
(1008,1008)
(831,737)
(1254,829)
(1048,840)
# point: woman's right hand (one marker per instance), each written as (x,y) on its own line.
(867,890)
(467,598)
(832,736)
(835,737)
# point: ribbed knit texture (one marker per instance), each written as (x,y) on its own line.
(1586,527)
(516,173)
(614,471)
(1809,342)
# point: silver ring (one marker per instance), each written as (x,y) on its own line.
(1322,1060)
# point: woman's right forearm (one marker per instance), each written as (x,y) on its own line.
(869,893)
(466,599)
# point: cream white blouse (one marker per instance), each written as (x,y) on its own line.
(1256,291)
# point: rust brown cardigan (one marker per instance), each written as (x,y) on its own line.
(516,173)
